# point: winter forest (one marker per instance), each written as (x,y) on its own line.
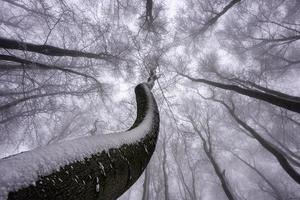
(210,86)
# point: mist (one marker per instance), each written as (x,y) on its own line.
(224,74)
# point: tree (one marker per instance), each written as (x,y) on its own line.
(227,88)
(90,173)
(207,147)
(283,161)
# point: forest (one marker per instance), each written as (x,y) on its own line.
(150,99)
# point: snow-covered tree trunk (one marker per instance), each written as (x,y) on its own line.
(89,168)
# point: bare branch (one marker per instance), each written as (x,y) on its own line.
(290,104)
(35,65)
(51,50)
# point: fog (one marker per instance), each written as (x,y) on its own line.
(227,79)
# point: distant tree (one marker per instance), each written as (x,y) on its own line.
(227,79)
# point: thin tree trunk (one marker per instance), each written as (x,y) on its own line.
(267,90)
(27,64)
(214,19)
(269,183)
(50,50)
(146,184)
(267,145)
(16,4)
(221,175)
(6,106)
(289,104)
(166,181)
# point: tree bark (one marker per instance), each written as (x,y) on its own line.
(103,175)
(149,8)
(289,104)
(50,50)
(264,89)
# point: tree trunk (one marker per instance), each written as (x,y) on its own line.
(164,167)
(50,50)
(282,160)
(289,104)
(207,147)
(104,174)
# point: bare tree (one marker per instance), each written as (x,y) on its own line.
(66,68)
(284,102)
(119,164)
(282,160)
(207,147)
(275,192)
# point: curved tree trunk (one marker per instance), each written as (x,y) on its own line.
(94,167)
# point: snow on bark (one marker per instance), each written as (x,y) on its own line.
(92,167)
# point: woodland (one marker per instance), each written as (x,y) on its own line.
(226,77)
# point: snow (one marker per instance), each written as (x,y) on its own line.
(24,169)
(97,187)
(145,147)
